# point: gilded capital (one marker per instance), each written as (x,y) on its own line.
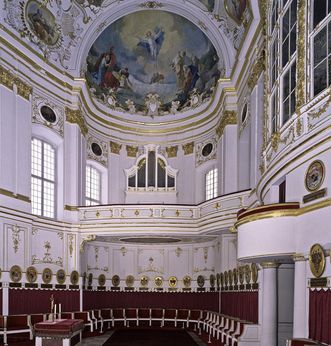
(269,265)
(298,257)
(172,151)
(23,89)
(131,151)
(6,78)
(188,148)
(75,116)
(115,147)
(228,118)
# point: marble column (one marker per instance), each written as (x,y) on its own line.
(269,304)
(300,322)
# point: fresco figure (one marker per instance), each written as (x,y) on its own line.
(109,79)
(152,42)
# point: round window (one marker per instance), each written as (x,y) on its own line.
(48,114)
(96,149)
(207,149)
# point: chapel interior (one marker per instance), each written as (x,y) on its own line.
(165,168)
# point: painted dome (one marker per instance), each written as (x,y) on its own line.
(152,63)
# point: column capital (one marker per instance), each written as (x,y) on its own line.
(269,265)
(298,257)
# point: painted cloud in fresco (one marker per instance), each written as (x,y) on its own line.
(152,52)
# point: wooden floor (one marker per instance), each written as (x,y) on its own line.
(150,337)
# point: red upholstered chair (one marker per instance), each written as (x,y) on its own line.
(131,314)
(227,326)
(118,316)
(33,319)
(85,316)
(213,325)
(15,324)
(238,329)
(67,315)
(183,316)
(195,317)
(218,328)
(157,315)
(169,316)
(211,321)
(107,316)
(144,315)
(96,315)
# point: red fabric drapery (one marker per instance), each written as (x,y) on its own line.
(320,316)
(242,305)
(193,300)
(32,301)
(0,301)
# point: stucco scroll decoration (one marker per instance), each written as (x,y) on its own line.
(53,30)
(38,102)
(16,237)
(47,257)
(101,157)
(150,267)
(86,239)
(71,244)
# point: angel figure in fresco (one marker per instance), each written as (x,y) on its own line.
(152,42)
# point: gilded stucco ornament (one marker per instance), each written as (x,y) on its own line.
(257,70)
(187,281)
(75,116)
(172,151)
(301,56)
(39,103)
(115,148)
(23,89)
(74,277)
(6,78)
(228,118)
(151,4)
(85,240)
(172,281)
(315,175)
(97,150)
(47,256)
(15,273)
(47,275)
(188,148)
(131,151)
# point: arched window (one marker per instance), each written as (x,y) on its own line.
(321,45)
(42,178)
(211,184)
(282,61)
(151,173)
(92,186)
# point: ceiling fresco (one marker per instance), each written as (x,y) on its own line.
(152,59)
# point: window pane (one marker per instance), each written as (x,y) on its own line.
(93,185)
(320,82)
(36,195)
(293,17)
(319,11)
(293,40)
(211,184)
(320,43)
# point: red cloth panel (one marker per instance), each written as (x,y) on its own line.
(320,316)
(27,301)
(242,305)
(193,300)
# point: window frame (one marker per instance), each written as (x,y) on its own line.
(98,202)
(277,72)
(213,191)
(42,179)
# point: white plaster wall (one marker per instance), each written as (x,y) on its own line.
(151,260)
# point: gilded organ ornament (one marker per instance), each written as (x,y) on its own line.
(255,272)
(115,280)
(101,280)
(201,281)
(158,281)
(61,276)
(172,281)
(15,273)
(317,260)
(144,281)
(248,273)
(31,274)
(315,175)
(212,280)
(47,275)
(74,277)
(129,281)
(187,281)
